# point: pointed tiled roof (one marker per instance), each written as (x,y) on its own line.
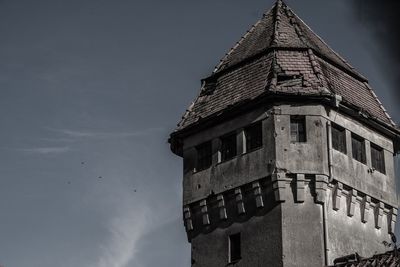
(281,55)
(280,27)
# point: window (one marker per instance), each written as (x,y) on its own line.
(358,147)
(298,129)
(378,158)
(253,135)
(204,156)
(228,146)
(339,138)
(289,80)
(234,248)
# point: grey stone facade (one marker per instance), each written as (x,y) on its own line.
(318,184)
(307,213)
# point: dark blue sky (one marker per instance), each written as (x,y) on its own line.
(90,90)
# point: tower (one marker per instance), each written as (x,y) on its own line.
(287,154)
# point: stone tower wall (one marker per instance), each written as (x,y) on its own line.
(295,204)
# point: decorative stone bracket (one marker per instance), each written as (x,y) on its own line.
(392,220)
(279,186)
(204,212)
(300,187)
(365,209)
(258,195)
(221,206)
(370,209)
(187,216)
(239,201)
(337,194)
(351,202)
(321,186)
(379,214)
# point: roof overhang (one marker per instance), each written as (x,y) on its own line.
(390,131)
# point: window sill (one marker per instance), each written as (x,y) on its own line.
(197,171)
(252,150)
(363,163)
(233,262)
(226,160)
(343,152)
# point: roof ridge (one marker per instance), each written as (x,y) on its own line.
(327,45)
(297,29)
(277,20)
(317,69)
(379,102)
(219,65)
(236,45)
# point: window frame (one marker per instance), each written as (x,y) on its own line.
(301,136)
(234,252)
(250,136)
(203,160)
(341,146)
(361,140)
(229,139)
(381,165)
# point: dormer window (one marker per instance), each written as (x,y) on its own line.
(289,80)
(228,146)
(253,135)
(204,156)
(378,158)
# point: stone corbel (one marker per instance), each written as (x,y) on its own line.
(321,185)
(239,201)
(204,212)
(258,195)
(392,220)
(300,187)
(351,202)
(221,206)
(337,194)
(378,214)
(187,216)
(279,186)
(365,208)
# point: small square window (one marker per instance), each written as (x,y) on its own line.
(298,129)
(234,248)
(378,158)
(339,138)
(358,147)
(204,156)
(253,135)
(228,146)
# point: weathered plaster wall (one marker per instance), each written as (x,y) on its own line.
(298,193)
(351,234)
(261,238)
(310,157)
(243,168)
(359,175)
(302,229)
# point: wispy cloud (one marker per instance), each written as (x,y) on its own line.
(130,219)
(45,150)
(126,231)
(105,135)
